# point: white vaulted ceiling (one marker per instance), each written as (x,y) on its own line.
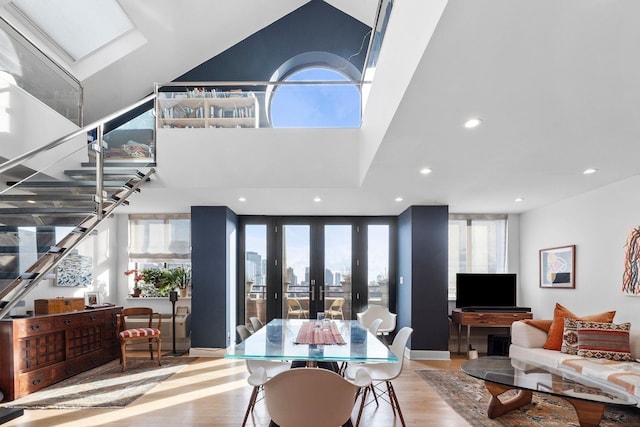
(556,85)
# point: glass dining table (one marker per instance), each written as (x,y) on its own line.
(277,341)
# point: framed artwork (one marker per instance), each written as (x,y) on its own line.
(558,267)
(91,298)
(74,271)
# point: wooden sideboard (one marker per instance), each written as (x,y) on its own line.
(485,319)
(36,352)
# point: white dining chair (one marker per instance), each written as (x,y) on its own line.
(373,328)
(311,397)
(374,312)
(270,367)
(386,372)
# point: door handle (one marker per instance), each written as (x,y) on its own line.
(313,291)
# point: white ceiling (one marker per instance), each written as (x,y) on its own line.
(556,85)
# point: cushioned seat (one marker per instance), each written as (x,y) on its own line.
(151,333)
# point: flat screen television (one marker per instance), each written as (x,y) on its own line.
(485,290)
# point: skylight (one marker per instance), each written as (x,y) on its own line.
(75,27)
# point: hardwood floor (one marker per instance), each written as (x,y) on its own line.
(214,392)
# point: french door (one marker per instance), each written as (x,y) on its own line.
(316,269)
(299,267)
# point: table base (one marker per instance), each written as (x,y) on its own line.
(589,413)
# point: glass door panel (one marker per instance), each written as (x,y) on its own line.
(255,283)
(296,261)
(336,290)
(378,265)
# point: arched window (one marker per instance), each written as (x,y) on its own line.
(316,105)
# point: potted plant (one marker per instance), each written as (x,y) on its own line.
(162,279)
(137,290)
(182,278)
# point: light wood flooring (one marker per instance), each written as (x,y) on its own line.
(214,392)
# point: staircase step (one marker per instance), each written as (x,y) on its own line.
(121,164)
(64,184)
(90,173)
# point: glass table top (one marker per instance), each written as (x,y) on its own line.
(275,341)
(528,376)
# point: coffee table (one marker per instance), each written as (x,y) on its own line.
(501,374)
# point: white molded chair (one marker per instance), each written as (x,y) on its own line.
(310,397)
(374,312)
(271,368)
(256,323)
(386,372)
(374,330)
(243,332)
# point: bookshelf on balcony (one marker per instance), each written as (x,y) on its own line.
(208,110)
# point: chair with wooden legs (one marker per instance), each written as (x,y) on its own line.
(149,333)
(386,372)
(310,397)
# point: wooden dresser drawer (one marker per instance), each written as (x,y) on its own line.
(79,319)
(33,326)
(34,380)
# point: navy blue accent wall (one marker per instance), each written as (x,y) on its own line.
(211,231)
(316,26)
(423,266)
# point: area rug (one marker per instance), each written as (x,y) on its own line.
(469,398)
(105,386)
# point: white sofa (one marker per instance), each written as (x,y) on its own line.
(527,345)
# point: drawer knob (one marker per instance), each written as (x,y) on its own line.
(35,326)
(36,381)
(93,317)
(68,369)
(67,321)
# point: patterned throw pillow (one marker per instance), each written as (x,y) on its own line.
(603,340)
(554,338)
(570,336)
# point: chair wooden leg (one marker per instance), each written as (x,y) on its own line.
(395,402)
(151,348)
(159,342)
(364,391)
(252,403)
(123,355)
(375,396)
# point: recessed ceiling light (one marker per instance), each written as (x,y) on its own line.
(399,199)
(590,171)
(242,199)
(425,171)
(31,201)
(317,199)
(519,199)
(472,123)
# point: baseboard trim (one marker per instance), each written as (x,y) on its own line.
(207,352)
(428,354)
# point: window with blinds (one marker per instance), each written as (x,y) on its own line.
(162,238)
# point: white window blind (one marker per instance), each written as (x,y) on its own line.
(477,244)
(159,237)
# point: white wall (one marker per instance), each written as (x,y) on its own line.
(101,245)
(598,223)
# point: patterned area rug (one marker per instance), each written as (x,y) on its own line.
(105,386)
(469,398)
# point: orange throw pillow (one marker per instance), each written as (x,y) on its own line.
(543,325)
(554,339)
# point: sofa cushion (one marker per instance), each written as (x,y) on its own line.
(570,336)
(554,339)
(525,335)
(603,340)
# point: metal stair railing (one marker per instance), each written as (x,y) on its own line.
(17,289)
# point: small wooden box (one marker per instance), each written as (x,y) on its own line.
(57,305)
